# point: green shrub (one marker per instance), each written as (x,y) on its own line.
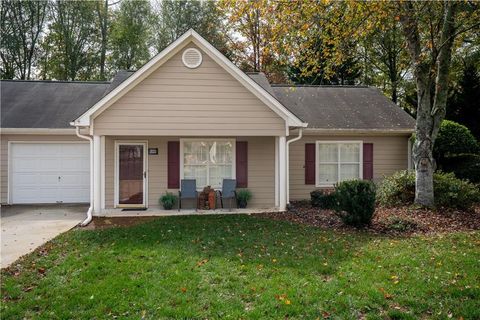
(322,199)
(355,202)
(397,189)
(168,200)
(453,139)
(464,166)
(449,191)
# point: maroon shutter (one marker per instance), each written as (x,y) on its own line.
(241,164)
(368,161)
(309,163)
(173,164)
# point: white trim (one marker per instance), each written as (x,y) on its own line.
(316,131)
(102,172)
(117,143)
(300,134)
(360,173)
(9,160)
(277,190)
(194,66)
(234,155)
(97,181)
(409,154)
(46,131)
(162,57)
(282,170)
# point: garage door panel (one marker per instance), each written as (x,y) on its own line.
(50,172)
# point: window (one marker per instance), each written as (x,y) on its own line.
(338,161)
(208,161)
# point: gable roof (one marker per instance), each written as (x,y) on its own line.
(167,53)
(339,107)
(53,104)
(344,107)
(46,104)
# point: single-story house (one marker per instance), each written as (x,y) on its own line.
(191,113)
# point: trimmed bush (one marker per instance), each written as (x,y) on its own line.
(453,139)
(322,199)
(464,166)
(449,191)
(355,202)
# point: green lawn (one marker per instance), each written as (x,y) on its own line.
(245,267)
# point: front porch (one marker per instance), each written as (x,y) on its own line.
(264,169)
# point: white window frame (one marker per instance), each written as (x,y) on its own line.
(318,184)
(234,156)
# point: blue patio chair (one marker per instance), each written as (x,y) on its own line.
(229,192)
(188,190)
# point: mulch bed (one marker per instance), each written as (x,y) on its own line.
(391,221)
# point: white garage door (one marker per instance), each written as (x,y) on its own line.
(49,172)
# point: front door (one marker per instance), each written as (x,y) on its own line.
(131,174)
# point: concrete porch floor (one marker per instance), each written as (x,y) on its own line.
(157,211)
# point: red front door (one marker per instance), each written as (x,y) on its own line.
(131,174)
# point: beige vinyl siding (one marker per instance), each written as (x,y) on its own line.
(23,137)
(389,155)
(177,101)
(261,169)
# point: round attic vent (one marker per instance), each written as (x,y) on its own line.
(192,58)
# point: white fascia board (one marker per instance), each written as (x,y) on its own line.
(45,131)
(172,49)
(318,131)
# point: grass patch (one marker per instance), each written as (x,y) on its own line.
(237,266)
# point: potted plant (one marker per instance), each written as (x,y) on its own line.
(168,200)
(243,195)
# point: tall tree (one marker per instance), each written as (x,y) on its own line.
(386,53)
(22,24)
(72,41)
(175,17)
(250,36)
(464,103)
(131,34)
(430,30)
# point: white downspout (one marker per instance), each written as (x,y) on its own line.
(300,133)
(90,209)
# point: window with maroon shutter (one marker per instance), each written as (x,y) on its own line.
(241,165)
(309,163)
(368,161)
(173,164)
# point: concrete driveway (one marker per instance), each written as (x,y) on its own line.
(26,227)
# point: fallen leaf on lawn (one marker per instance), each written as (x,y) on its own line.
(27,289)
(287,301)
(183,289)
(41,270)
(202,262)
(274,260)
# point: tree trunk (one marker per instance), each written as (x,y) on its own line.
(429,116)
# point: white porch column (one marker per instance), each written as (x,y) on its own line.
(282,173)
(97,160)
(277,202)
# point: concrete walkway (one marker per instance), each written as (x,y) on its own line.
(26,227)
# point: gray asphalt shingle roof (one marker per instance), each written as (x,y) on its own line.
(54,104)
(46,104)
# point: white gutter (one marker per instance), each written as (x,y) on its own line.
(90,209)
(47,131)
(300,134)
